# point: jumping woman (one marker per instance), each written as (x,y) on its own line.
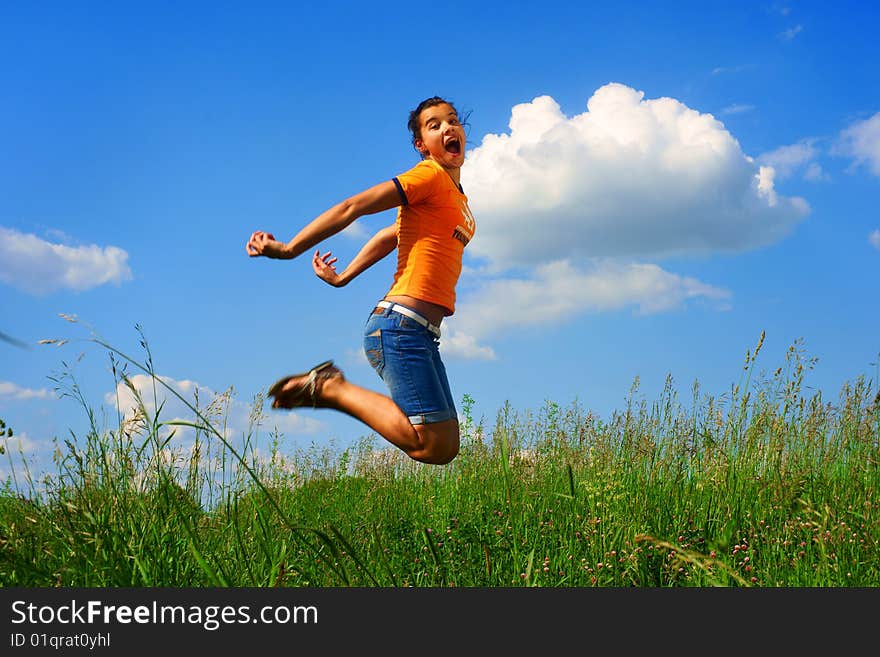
(402,333)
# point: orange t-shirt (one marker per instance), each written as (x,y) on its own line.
(434,224)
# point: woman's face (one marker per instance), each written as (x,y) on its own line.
(442,138)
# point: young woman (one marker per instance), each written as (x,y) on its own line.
(401,336)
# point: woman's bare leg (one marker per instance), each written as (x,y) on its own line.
(435,443)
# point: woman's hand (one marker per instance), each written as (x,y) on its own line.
(260,243)
(325,269)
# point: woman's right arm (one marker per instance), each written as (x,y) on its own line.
(376,248)
(378,198)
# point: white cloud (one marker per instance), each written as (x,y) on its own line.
(36,266)
(8,389)
(794,158)
(569,202)
(229,414)
(457,344)
(628,177)
(861,141)
(559,290)
(874,239)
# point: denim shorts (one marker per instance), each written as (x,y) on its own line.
(406,355)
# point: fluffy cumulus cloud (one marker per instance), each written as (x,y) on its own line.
(559,290)
(861,141)
(874,239)
(576,204)
(628,177)
(37,266)
(224,411)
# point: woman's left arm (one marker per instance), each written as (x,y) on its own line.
(376,248)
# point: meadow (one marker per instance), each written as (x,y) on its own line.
(766,485)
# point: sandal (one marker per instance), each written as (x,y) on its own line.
(304,394)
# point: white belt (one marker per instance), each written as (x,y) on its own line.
(412,314)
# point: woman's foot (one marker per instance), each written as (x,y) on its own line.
(303,389)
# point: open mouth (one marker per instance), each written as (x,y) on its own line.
(453,146)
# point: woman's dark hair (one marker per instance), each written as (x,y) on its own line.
(413,124)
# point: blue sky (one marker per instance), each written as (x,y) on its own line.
(653,188)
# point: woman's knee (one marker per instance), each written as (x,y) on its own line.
(435,455)
(439,443)
(443,454)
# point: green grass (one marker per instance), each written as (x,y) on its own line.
(765,486)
